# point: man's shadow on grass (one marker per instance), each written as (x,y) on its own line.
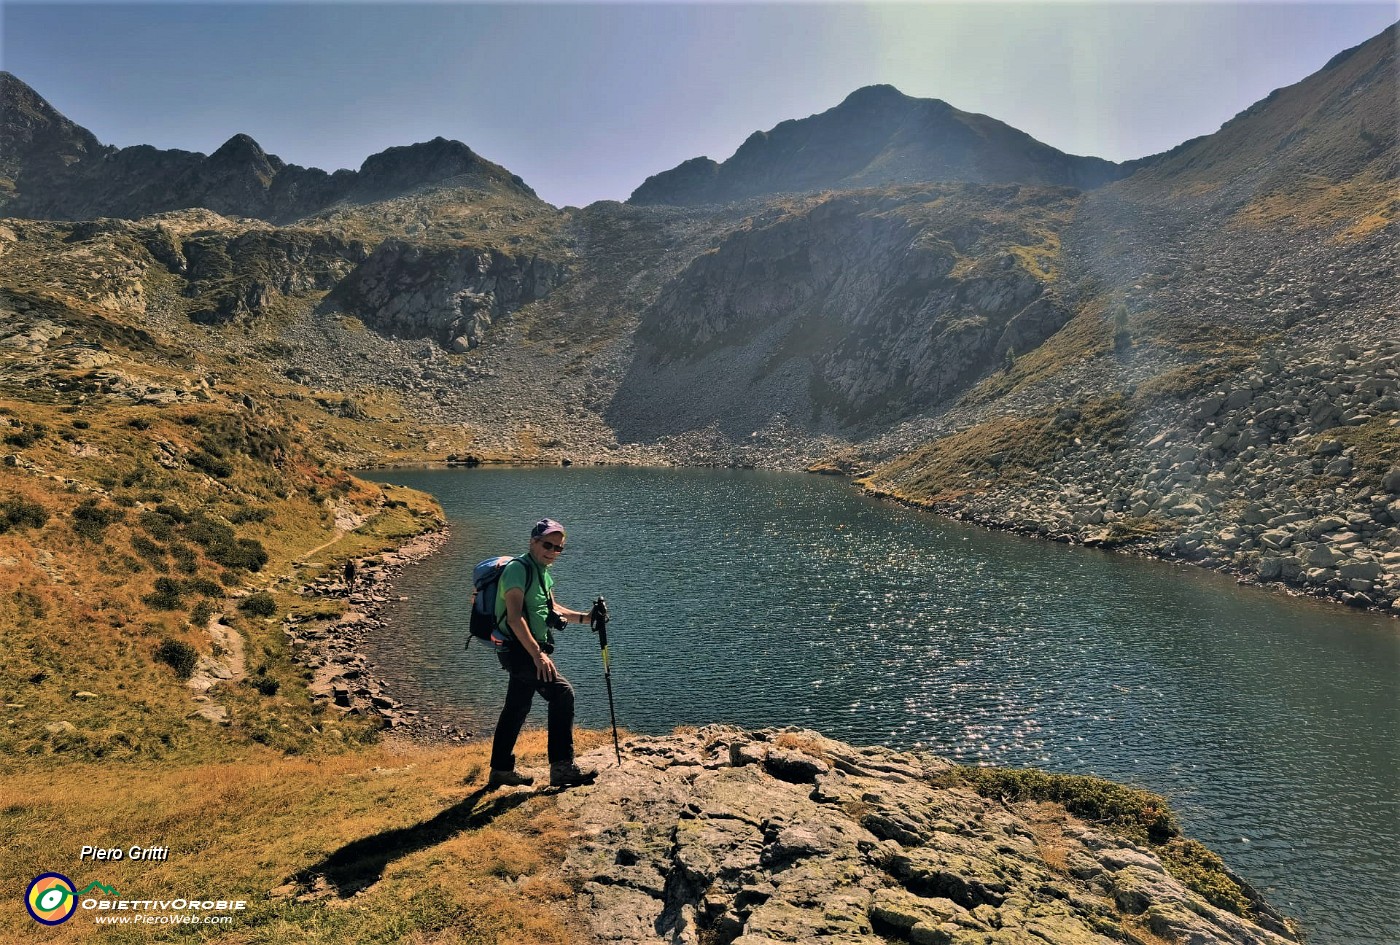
(360,863)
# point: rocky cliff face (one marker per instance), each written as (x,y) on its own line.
(451,294)
(761,837)
(877,137)
(849,310)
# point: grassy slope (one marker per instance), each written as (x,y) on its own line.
(365,846)
(284,805)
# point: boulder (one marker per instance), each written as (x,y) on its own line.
(1363,570)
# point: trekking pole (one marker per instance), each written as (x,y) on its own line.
(598,616)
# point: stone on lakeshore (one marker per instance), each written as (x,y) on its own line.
(1324,556)
(1238,398)
(1329,524)
(1363,570)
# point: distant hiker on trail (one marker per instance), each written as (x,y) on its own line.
(349,576)
(526,617)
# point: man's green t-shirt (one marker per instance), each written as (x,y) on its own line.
(536,604)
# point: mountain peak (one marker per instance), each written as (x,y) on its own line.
(403,168)
(876,137)
(33,132)
(241,149)
(875,95)
(240,145)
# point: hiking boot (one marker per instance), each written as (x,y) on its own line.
(508,779)
(568,774)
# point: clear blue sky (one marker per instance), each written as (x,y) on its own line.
(584,100)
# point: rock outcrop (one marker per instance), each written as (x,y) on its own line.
(451,293)
(723,836)
(847,310)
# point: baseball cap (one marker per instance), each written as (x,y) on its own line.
(544,526)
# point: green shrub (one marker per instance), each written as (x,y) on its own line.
(247,553)
(216,466)
(149,550)
(185,559)
(90,520)
(260,604)
(1201,870)
(203,587)
(16,512)
(208,532)
(201,614)
(168,595)
(179,656)
(139,423)
(249,513)
(266,685)
(158,526)
(173,512)
(1139,815)
(27,436)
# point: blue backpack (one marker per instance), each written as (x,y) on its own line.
(486,579)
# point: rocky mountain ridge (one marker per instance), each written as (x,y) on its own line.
(876,137)
(54,169)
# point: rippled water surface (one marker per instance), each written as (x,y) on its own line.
(1272,724)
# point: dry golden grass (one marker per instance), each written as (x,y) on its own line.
(1355,208)
(796,741)
(996,450)
(80,600)
(381,845)
(1047,823)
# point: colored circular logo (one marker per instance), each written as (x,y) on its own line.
(51,899)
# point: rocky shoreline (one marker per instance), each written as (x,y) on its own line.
(331,643)
(756,837)
(1286,476)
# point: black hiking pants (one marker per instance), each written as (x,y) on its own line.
(520,693)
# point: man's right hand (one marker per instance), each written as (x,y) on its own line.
(544,668)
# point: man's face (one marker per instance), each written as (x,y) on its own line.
(549,546)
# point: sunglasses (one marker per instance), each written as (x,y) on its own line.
(551,546)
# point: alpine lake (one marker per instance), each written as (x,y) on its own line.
(1271,724)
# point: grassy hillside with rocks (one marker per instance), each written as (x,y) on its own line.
(154,515)
(1194,362)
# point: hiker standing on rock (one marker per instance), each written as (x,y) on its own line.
(526,617)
